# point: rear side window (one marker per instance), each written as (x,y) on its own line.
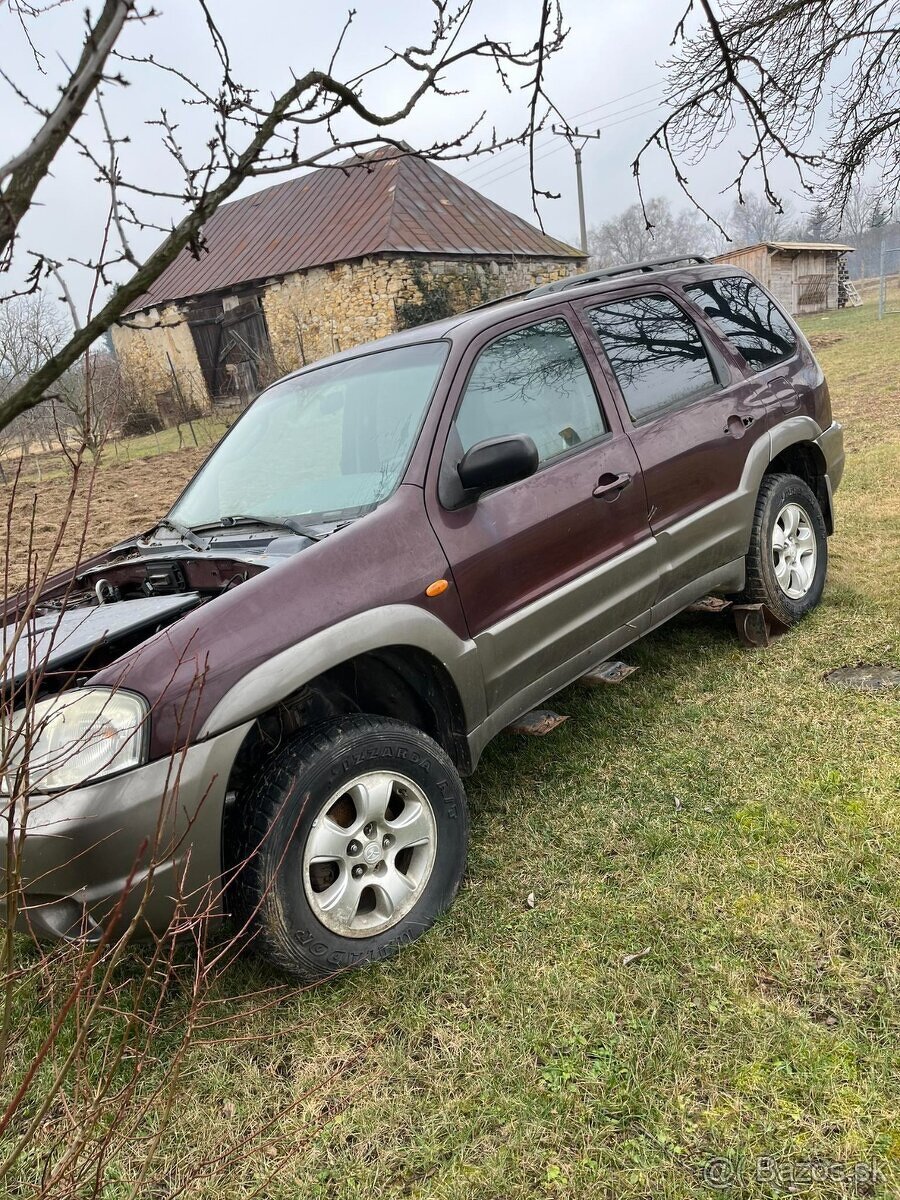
(752,322)
(531,381)
(656,351)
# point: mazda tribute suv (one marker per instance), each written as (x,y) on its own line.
(264,706)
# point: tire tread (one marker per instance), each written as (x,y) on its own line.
(756,588)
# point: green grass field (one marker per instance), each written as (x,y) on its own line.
(49,465)
(724,811)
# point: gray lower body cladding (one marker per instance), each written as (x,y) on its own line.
(148,844)
(145,846)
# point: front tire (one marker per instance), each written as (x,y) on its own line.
(352,844)
(788,556)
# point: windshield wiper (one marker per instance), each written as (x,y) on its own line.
(268,522)
(186,535)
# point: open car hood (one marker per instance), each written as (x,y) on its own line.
(64,640)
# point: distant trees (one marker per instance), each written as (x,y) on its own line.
(86,401)
(673,232)
(756,220)
(89,402)
(661,231)
(819,224)
(31,329)
(866,223)
(627,238)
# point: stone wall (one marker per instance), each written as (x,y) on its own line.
(144,346)
(328,309)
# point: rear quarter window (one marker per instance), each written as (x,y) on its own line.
(748,318)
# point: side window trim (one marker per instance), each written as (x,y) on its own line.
(719,367)
(449,493)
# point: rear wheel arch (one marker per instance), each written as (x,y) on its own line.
(806,460)
(779,552)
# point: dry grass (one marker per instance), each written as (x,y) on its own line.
(114,500)
(861,357)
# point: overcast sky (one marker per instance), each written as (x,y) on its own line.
(608,75)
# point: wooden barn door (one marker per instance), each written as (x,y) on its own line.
(233,348)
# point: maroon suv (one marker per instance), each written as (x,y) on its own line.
(265,704)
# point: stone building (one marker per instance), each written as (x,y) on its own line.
(803,276)
(320,263)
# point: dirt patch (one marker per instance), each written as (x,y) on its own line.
(821,341)
(109,504)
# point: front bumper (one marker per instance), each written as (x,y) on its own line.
(159,826)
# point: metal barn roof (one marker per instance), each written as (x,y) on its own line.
(383,202)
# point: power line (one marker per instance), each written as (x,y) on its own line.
(654,105)
(649,88)
(490,176)
(478,164)
(537,158)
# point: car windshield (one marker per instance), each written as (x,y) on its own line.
(328,444)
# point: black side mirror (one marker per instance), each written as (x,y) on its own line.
(498,461)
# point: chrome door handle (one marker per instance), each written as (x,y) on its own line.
(610,485)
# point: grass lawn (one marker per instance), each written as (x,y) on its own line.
(724,811)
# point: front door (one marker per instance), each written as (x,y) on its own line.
(547,567)
(692,418)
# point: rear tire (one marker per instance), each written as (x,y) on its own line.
(352,843)
(788,556)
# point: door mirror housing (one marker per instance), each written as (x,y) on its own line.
(498,461)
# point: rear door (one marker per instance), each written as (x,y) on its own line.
(692,418)
(545,568)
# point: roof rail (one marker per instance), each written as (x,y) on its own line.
(638,268)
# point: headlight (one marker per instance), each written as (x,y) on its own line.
(75,737)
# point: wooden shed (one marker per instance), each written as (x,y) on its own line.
(802,275)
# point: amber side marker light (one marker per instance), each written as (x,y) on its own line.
(437,588)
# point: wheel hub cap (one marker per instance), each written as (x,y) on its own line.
(369,854)
(794,551)
(372,854)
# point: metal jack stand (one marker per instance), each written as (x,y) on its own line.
(756,625)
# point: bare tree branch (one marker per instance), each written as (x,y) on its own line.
(25,171)
(762,70)
(247,138)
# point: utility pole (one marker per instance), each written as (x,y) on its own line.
(577,140)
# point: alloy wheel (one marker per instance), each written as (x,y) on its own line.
(794,552)
(369,854)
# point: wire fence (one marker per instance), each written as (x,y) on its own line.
(889,283)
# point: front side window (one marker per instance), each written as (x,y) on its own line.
(656,352)
(532,381)
(328,443)
(751,320)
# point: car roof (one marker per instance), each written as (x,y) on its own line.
(640,277)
